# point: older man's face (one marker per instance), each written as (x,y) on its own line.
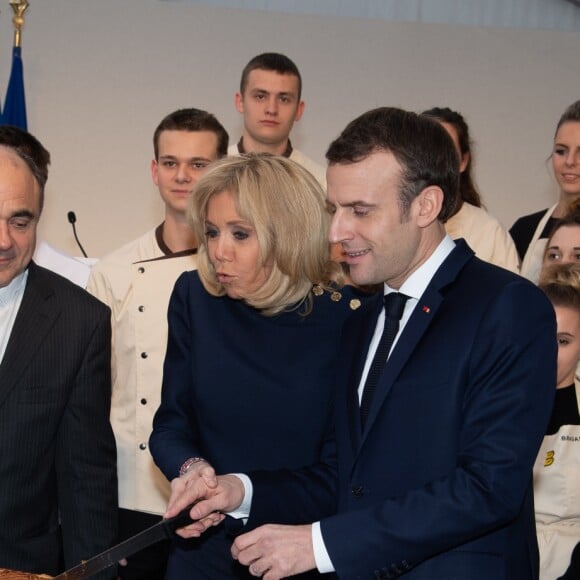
(19,212)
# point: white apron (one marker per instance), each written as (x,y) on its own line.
(532,262)
(557,499)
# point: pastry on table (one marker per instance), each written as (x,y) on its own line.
(6,574)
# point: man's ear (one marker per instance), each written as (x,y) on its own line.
(429,203)
(239,102)
(154,172)
(299,111)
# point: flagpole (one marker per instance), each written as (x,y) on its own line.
(14,112)
(19,7)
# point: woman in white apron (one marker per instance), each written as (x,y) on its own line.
(557,467)
(566,165)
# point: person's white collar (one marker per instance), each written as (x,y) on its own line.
(417,282)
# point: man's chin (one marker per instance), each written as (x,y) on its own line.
(360,276)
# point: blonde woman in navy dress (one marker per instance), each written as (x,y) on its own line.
(253,339)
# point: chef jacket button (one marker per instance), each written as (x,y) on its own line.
(143,401)
(141,270)
(143,446)
(141,308)
(144,355)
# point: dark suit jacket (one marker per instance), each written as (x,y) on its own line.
(438,486)
(57,451)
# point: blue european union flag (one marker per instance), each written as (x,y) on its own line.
(15,103)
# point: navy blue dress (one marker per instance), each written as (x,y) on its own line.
(245,391)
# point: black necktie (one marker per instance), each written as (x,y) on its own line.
(394,306)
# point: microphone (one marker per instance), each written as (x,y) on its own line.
(72,218)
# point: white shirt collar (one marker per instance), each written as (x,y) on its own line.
(16,287)
(417,282)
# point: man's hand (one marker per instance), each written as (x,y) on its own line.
(274,551)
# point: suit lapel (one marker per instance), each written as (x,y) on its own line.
(34,319)
(424,313)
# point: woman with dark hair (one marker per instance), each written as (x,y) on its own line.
(531,232)
(483,232)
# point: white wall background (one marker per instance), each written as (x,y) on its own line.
(100,75)
(558,14)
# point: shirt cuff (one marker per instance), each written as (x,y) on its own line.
(243,510)
(321,557)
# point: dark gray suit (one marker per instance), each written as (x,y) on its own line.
(58,486)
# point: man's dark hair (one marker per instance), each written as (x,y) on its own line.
(31,151)
(419,144)
(192,120)
(271,61)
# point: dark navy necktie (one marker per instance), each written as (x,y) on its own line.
(394,306)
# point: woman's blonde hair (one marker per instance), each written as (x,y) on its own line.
(286,206)
(561,284)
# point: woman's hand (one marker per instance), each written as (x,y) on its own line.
(197,483)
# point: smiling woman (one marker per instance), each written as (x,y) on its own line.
(253,339)
(531,232)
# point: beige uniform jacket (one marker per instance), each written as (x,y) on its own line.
(136,282)
(485,236)
(317,170)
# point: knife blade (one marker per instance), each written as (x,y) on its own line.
(160,531)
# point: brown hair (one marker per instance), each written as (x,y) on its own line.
(271,61)
(571,114)
(192,121)
(561,284)
(31,151)
(467,189)
(571,219)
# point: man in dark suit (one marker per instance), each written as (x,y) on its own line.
(58,488)
(433,473)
